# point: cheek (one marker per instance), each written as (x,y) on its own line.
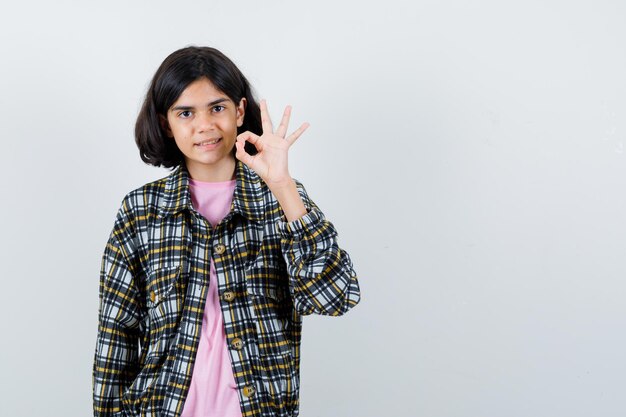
(224,128)
(180,130)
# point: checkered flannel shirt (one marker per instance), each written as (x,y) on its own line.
(154,282)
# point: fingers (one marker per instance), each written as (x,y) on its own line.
(241,154)
(282,128)
(295,135)
(250,137)
(284,123)
(266,122)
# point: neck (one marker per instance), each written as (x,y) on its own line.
(224,171)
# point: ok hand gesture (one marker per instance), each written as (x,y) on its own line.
(270,162)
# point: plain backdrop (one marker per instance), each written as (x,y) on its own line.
(470,154)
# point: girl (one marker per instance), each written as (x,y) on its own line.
(208,271)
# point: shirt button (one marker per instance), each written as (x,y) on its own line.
(237,343)
(248,391)
(219,249)
(228,296)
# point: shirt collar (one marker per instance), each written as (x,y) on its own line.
(247,198)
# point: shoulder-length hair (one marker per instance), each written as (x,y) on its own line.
(175,73)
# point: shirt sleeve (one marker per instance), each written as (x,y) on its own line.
(115,363)
(322,279)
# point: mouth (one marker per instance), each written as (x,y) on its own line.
(207,142)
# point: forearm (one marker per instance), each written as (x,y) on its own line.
(289,199)
(323,280)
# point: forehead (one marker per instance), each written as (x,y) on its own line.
(199,92)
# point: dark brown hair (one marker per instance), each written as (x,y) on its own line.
(177,71)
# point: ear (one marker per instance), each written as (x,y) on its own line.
(165,126)
(241,111)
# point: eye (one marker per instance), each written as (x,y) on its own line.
(185,114)
(218,108)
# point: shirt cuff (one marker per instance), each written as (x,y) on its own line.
(298,228)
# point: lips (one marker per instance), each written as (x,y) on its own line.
(208,142)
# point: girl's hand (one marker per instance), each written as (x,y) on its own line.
(270,162)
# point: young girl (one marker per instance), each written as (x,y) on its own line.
(208,271)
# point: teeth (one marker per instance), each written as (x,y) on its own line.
(208,142)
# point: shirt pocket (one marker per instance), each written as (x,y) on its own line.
(267,287)
(164,303)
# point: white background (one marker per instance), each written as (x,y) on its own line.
(471,155)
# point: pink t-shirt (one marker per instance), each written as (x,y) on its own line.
(213,391)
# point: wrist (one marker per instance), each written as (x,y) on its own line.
(289,199)
(282,185)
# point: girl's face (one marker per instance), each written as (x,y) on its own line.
(203,122)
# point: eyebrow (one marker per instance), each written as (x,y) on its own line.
(212,103)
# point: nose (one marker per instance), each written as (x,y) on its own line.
(204,122)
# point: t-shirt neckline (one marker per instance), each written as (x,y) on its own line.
(211,184)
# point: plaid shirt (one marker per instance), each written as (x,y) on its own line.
(154,282)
